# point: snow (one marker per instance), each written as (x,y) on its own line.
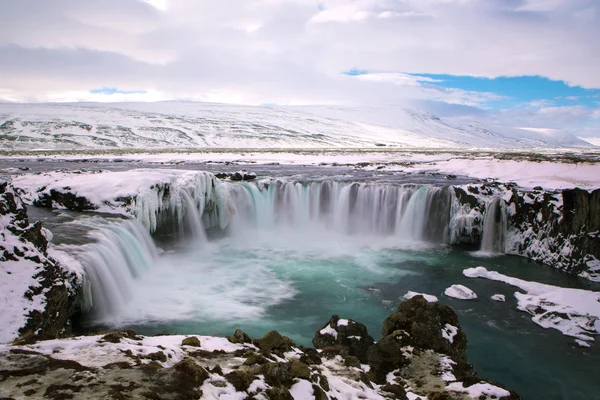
(17,276)
(258,384)
(499,297)
(342,322)
(479,389)
(574,312)
(107,189)
(90,351)
(302,390)
(328,330)
(430,298)
(582,343)
(15,307)
(449,331)
(345,387)
(593,140)
(194,124)
(460,292)
(446,364)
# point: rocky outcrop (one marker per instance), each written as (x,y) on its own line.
(348,337)
(39,293)
(560,229)
(419,356)
(557,228)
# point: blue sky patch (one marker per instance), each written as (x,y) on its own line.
(521,91)
(356,72)
(114,90)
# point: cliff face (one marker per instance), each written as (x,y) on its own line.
(557,228)
(36,290)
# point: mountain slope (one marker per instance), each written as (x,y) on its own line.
(202,125)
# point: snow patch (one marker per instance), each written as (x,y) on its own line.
(328,330)
(430,298)
(460,292)
(449,331)
(499,297)
(479,389)
(574,312)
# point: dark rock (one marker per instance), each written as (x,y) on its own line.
(397,390)
(300,370)
(277,373)
(310,357)
(423,322)
(191,372)
(113,337)
(255,359)
(237,176)
(239,337)
(386,355)
(351,361)
(274,341)
(157,356)
(320,380)
(239,379)
(279,393)
(191,341)
(319,393)
(66,199)
(353,337)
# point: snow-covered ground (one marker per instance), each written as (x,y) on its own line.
(574,312)
(203,125)
(527,173)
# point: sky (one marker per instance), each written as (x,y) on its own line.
(519,62)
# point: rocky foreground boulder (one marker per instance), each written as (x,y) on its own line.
(421,356)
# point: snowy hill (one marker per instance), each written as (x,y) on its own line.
(202,125)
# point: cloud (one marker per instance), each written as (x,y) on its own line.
(291,51)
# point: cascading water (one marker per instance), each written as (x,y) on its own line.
(120,254)
(406,212)
(494,227)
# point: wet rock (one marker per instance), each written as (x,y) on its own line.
(274,341)
(191,341)
(346,334)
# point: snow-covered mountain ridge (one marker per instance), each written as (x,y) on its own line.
(202,125)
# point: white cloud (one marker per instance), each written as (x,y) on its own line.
(290,51)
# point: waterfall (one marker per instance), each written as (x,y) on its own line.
(185,207)
(407,212)
(120,254)
(494,227)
